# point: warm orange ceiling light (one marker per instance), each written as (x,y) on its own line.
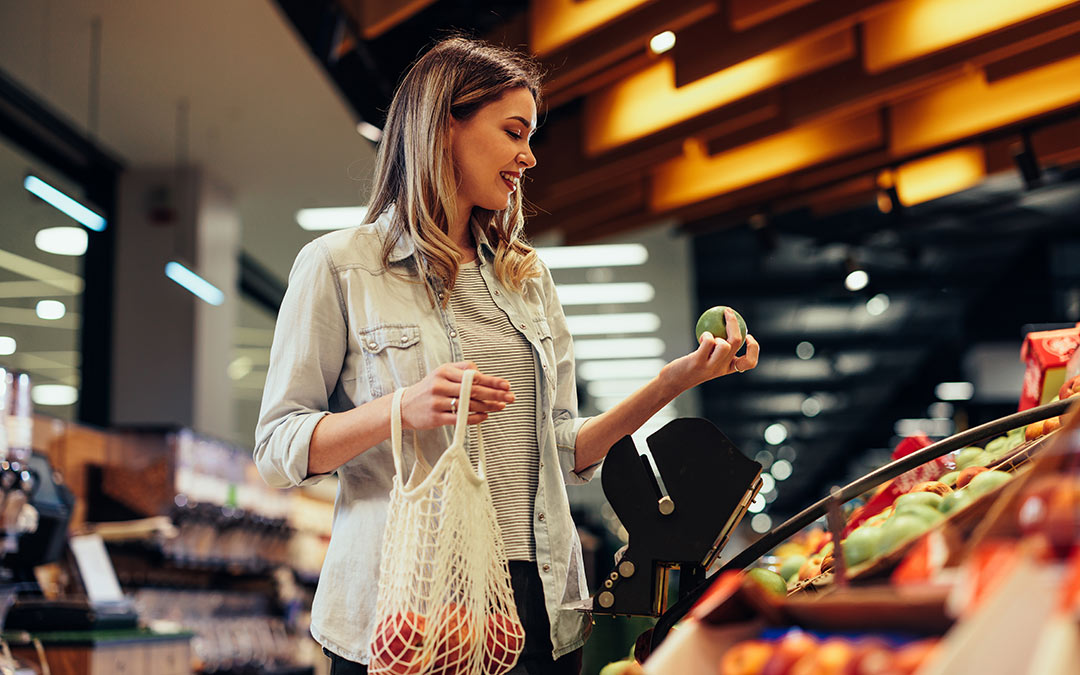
(696,176)
(915,28)
(554,23)
(939,175)
(969,105)
(649,101)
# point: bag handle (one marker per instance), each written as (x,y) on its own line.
(460,428)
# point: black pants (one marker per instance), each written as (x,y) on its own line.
(536,656)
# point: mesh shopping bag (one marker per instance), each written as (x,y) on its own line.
(445,604)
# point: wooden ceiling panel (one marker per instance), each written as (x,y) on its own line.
(711,45)
(743,14)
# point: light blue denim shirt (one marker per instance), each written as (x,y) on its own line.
(349,332)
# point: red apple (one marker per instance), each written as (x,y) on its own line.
(967,474)
(453,633)
(504,639)
(398,646)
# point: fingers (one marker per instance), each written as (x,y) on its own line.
(749,360)
(734,335)
(485,387)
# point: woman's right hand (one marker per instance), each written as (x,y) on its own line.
(427,404)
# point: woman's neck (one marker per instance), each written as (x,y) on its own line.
(460,233)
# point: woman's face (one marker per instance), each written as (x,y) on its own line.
(491,149)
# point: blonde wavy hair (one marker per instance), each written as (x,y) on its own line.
(414,170)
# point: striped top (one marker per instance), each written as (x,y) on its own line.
(489,340)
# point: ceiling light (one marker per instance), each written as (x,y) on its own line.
(54,394)
(609,255)
(767,482)
(64,203)
(605,324)
(758,505)
(623,388)
(775,434)
(805,350)
(7,345)
(856,280)
(954,391)
(764,458)
(940,409)
(331,218)
(618,348)
(781,469)
(201,288)
(369,131)
(620,369)
(811,406)
(877,305)
(662,42)
(62,240)
(51,310)
(761,523)
(605,294)
(928,426)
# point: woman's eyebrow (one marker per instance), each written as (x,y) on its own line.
(524,122)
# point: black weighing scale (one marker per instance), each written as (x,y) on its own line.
(707,486)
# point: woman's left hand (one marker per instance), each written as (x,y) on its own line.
(713,358)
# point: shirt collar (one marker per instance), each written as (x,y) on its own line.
(405,248)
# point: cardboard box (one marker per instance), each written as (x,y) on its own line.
(1046,354)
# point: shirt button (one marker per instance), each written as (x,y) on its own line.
(522,326)
(404,339)
(453,333)
(372,346)
(541,516)
(496,292)
(546,567)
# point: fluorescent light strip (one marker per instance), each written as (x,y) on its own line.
(50,310)
(954,391)
(604,294)
(618,348)
(619,369)
(612,324)
(201,288)
(72,283)
(331,218)
(62,240)
(600,255)
(7,345)
(64,203)
(54,394)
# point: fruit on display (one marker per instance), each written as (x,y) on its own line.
(801,653)
(899,529)
(769,580)
(504,638)
(928,514)
(931,499)
(398,645)
(967,474)
(949,479)
(790,567)
(987,481)
(1070,388)
(969,457)
(955,501)
(937,487)
(713,321)
(861,544)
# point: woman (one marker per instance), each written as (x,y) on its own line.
(440,280)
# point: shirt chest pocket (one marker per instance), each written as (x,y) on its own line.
(391,356)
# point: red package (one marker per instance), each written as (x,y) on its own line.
(1046,354)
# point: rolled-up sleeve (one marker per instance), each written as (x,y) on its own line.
(310,342)
(564,414)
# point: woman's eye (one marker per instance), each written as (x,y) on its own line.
(514,135)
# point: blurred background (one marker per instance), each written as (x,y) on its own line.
(886,190)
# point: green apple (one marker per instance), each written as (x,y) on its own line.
(790,566)
(931,499)
(949,478)
(769,580)
(899,529)
(927,512)
(968,456)
(987,481)
(997,445)
(955,500)
(713,320)
(861,544)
